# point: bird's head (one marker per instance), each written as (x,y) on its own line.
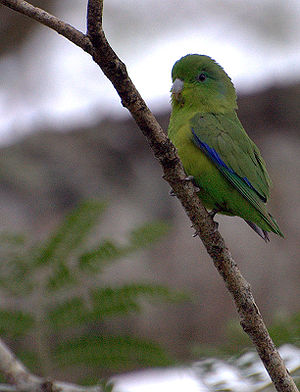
(198,81)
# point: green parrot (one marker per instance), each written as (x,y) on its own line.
(223,162)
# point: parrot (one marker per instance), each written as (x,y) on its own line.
(224,164)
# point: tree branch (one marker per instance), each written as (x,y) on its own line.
(94,17)
(18,375)
(96,44)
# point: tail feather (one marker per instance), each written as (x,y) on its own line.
(262,233)
(278,231)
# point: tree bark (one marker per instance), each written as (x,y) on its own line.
(96,44)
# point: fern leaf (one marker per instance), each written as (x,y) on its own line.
(105,252)
(60,277)
(72,232)
(69,313)
(148,234)
(110,352)
(15,323)
(119,301)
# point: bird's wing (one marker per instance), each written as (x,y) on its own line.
(223,139)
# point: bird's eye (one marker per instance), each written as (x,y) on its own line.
(201,77)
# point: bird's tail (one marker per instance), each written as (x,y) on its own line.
(262,233)
(275,226)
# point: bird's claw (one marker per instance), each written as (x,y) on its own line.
(195,234)
(216,225)
(192,178)
(188,178)
(172,193)
(213,212)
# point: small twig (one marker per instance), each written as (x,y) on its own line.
(94,17)
(13,369)
(17,374)
(96,44)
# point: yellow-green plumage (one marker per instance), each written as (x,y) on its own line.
(213,145)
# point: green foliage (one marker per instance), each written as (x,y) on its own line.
(104,253)
(283,330)
(72,233)
(286,329)
(148,234)
(109,352)
(15,323)
(58,306)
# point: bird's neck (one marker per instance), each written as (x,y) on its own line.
(182,113)
(203,104)
(184,109)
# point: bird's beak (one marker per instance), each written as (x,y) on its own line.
(177,88)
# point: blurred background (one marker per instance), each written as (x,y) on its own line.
(65,138)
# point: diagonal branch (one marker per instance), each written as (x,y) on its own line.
(18,375)
(96,44)
(94,17)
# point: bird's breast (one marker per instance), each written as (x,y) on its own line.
(194,161)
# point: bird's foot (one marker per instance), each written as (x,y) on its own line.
(213,212)
(192,179)
(216,224)
(189,178)
(186,179)
(195,234)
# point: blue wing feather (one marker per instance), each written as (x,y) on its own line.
(215,157)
